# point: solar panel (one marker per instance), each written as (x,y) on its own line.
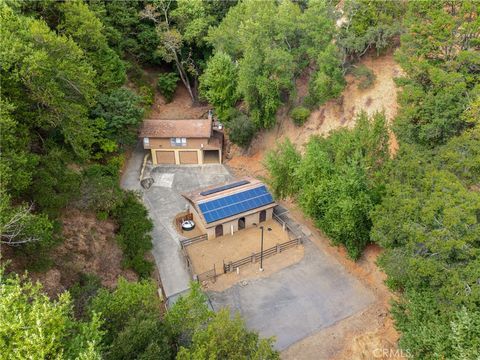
(224,187)
(235,204)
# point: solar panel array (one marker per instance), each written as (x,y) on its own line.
(224,187)
(235,204)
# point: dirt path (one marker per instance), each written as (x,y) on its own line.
(382,96)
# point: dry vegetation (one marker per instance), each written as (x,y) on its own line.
(89,247)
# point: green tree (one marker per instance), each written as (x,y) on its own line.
(218,84)
(368,24)
(167,84)
(122,112)
(33,326)
(86,29)
(134,233)
(438,53)
(240,128)
(327,82)
(282,164)
(125,308)
(338,181)
(50,92)
(226,338)
(127,33)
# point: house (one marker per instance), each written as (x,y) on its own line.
(227,208)
(185,141)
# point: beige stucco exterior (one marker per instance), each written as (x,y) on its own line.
(231,226)
(165,143)
(180,156)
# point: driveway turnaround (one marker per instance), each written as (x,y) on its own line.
(163,201)
(298,300)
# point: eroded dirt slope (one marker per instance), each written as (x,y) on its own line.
(382,96)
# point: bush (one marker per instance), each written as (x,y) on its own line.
(365,75)
(83,291)
(132,326)
(133,234)
(166,84)
(99,190)
(147,94)
(299,115)
(240,128)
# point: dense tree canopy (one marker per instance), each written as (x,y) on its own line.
(338,180)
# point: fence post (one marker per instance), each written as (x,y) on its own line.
(252,258)
(279,249)
(230,267)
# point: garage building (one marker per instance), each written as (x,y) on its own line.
(226,208)
(185,141)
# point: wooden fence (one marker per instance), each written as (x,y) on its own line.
(255,257)
(186,242)
(207,275)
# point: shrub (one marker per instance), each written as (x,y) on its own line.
(133,234)
(99,190)
(132,326)
(299,115)
(166,84)
(365,75)
(240,128)
(83,291)
(147,94)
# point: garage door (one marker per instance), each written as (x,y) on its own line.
(165,157)
(188,157)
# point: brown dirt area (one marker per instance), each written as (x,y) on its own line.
(382,96)
(89,247)
(271,265)
(234,247)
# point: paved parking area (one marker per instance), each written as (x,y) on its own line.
(163,201)
(290,304)
(296,301)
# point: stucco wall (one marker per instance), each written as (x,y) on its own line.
(249,221)
(164,143)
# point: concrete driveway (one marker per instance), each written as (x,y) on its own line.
(163,201)
(298,300)
(290,304)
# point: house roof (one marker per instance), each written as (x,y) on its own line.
(227,201)
(188,128)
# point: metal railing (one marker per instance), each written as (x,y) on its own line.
(187,242)
(255,257)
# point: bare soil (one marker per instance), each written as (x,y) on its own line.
(206,254)
(89,247)
(248,272)
(341,112)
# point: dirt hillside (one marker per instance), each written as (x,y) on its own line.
(382,96)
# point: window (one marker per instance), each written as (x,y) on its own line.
(178,141)
(146,141)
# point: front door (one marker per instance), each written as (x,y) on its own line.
(262,216)
(241,223)
(218,230)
